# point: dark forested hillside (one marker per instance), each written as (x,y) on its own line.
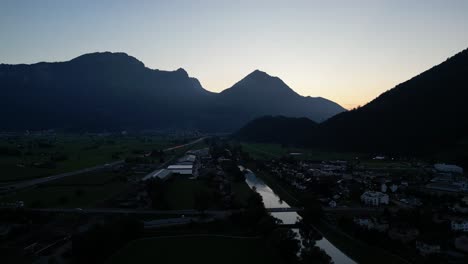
(277,129)
(424,114)
(116,91)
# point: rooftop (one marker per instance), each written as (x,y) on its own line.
(180,167)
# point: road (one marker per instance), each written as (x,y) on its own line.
(168,222)
(353,210)
(146,212)
(177,221)
(281,209)
(185,145)
(29,183)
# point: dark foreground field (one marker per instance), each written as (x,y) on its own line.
(195,249)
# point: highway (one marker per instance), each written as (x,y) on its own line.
(146,212)
(33,182)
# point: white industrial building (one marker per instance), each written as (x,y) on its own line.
(187,160)
(181,169)
(374,198)
(161,174)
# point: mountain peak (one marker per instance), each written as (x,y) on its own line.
(182,71)
(261,83)
(258,74)
(107,57)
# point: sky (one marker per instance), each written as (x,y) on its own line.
(345,51)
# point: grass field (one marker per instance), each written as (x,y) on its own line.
(85,190)
(271,151)
(180,192)
(66,153)
(198,249)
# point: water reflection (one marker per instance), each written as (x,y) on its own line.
(271,200)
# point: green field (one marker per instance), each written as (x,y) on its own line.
(180,192)
(273,151)
(195,249)
(42,156)
(84,190)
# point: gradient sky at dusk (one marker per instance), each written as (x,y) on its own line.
(346,51)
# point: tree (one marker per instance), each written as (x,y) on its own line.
(79,192)
(102,240)
(202,200)
(155,189)
(314,255)
(62,199)
(286,243)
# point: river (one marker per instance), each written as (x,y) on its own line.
(272,200)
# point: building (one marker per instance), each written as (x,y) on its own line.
(374,198)
(448,168)
(364,222)
(371,224)
(460,225)
(181,169)
(187,160)
(161,174)
(425,248)
(383,188)
(454,186)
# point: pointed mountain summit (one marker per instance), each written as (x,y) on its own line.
(259,83)
(260,94)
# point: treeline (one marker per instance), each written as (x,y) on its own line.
(101,240)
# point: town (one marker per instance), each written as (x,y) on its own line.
(406,210)
(413,209)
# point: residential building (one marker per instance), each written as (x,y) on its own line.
(393,187)
(374,198)
(448,168)
(425,248)
(383,188)
(460,225)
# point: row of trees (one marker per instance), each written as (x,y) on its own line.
(101,240)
